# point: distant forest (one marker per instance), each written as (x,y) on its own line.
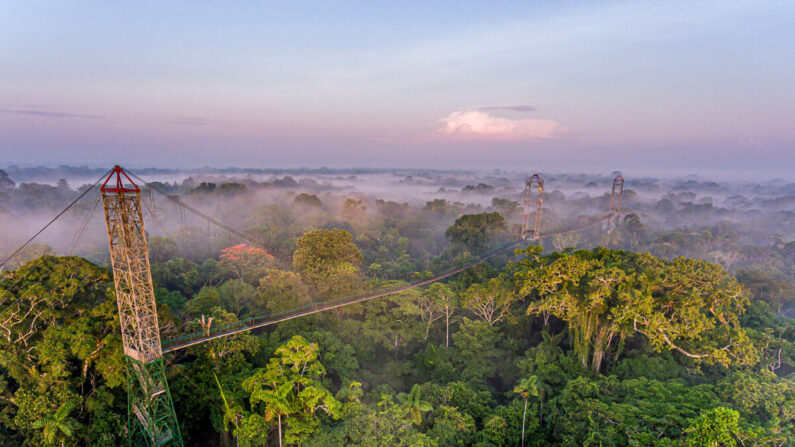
(672,326)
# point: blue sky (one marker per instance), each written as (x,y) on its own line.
(656,86)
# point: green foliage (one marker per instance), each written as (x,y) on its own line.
(765,286)
(766,402)
(630,412)
(307,200)
(658,367)
(494,432)
(451,427)
(413,401)
(239,297)
(478,352)
(490,302)
(178,274)
(609,354)
(328,259)
(204,302)
(505,207)
(288,391)
(161,249)
(61,368)
(221,353)
(281,290)
(715,428)
(172,298)
(385,424)
(439,302)
(339,358)
(58,427)
(547,360)
(685,305)
(527,388)
(387,254)
(476,233)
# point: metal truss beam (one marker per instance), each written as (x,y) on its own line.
(533,186)
(616,195)
(151,417)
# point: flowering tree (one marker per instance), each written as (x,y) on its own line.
(243,260)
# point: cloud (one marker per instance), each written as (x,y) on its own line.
(46,114)
(524,108)
(187,121)
(476,124)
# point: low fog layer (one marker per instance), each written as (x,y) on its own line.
(730,223)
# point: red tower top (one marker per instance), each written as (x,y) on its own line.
(118,187)
(535,178)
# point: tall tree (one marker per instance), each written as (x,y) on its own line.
(329,260)
(429,311)
(281,290)
(245,262)
(686,305)
(414,403)
(444,300)
(476,233)
(492,301)
(58,426)
(716,428)
(289,390)
(526,388)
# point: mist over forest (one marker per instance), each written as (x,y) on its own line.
(724,222)
(670,323)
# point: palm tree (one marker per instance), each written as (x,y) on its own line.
(58,426)
(277,403)
(231,414)
(526,388)
(416,406)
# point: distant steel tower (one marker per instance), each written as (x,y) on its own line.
(151,418)
(616,194)
(533,183)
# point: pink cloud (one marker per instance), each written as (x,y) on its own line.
(477,124)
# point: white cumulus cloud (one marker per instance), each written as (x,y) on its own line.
(478,124)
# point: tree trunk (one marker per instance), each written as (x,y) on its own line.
(524,416)
(447,329)
(541,411)
(598,355)
(280,430)
(601,343)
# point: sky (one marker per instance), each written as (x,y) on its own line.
(670,86)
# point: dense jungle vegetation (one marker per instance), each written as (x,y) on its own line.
(673,329)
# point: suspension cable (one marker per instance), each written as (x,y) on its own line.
(317,307)
(158,223)
(578,229)
(204,216)
(83,194)
(82,228)
(313,308)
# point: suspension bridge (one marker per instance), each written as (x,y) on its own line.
(152,420)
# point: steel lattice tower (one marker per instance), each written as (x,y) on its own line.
(616,195)
(533,183)
(151,418)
